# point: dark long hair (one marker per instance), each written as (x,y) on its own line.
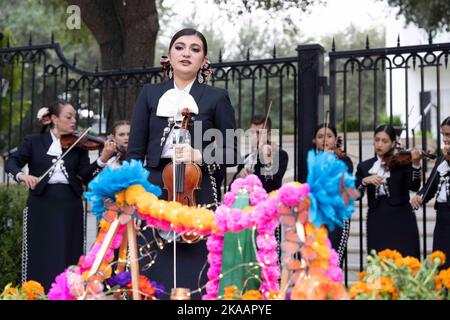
(54,108)
(388,129)
(189,32)
(446,122)
(320,126)
(117,124)
(205,70)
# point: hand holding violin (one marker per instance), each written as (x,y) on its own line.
(416,156)
(376,180)
(184,153)
(108,151)
(266,154)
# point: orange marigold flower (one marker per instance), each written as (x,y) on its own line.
(33,290)
(10,291)
(389,254)
(358,288)
(412,263)
(438,255)
(362,275)
(252,295)
(231,293)
(444,276)
(438,283)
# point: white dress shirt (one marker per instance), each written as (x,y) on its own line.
(443,169)
(59,172)
(167,151)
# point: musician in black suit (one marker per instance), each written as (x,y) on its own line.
(391,222)
(153,126)
(266,160)
(438,187)
(53,232)
(326,138)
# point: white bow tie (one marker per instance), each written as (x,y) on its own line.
(378,169)
(173,102)
(55,148)
(443,168)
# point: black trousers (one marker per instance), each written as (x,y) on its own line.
(53,233)
(191,259)
(441,234)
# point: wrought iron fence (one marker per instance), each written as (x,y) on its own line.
(406,82)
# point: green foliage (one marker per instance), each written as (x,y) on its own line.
(360,91)
(429,134)
(250,5)
(385,119)
(13,111)
(352,125)
(432,15)
(39,18)
(12,202)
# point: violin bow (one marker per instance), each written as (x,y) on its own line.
(431,179)
(64,154)
(325,126)
(263,128)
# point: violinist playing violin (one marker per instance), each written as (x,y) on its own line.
(438,187)
(120,133)
(327,139)
(53,235)
(266,160)
(387,178)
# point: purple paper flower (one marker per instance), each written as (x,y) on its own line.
(159,289)
(121,279)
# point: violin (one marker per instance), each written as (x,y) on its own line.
(188,176)
(401,156)
(338,151)
(88,142)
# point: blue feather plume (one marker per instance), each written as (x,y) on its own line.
(327,205)
(112,180)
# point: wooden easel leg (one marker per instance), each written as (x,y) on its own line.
(122,258)
(134,265)
(102,252)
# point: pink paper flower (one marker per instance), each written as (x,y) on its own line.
(59,289)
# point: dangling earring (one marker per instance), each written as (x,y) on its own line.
(200,77)
(170,74)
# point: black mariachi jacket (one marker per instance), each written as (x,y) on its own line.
(402,180)
(215,111)
(431,185)
(269,183)
(33,151)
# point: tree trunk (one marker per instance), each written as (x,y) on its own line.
(126,32)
